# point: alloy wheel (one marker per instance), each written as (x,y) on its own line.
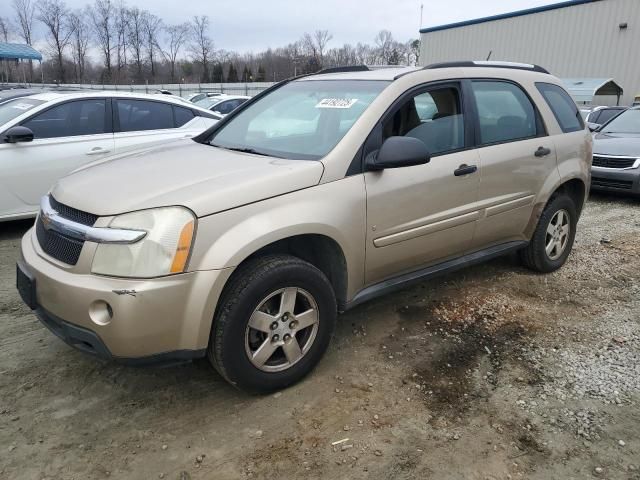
(282,329)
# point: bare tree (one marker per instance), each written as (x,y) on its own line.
(321,38)
(152,28)
(5,29)
(176,35)
(25,12)
(120,26)
(79,43)
(384,44)
(201,46)
(101,14)
(55,17)
(137,38)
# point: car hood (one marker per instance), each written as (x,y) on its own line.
(203,178)
(622,144)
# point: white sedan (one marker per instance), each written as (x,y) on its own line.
(46,136)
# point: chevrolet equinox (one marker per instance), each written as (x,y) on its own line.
(320,193)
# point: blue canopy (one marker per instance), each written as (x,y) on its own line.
(18,51)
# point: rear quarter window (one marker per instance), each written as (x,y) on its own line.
(563,107)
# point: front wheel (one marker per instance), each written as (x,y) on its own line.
(275,321)
(553,238)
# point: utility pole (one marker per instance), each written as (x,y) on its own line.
(421,11)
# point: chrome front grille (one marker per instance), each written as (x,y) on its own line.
(62,247)
(605,161)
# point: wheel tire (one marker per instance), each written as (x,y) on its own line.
(248,287)
(534,256)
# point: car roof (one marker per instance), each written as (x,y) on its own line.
(391,73)
(57,96)
(387,73)
(72,95)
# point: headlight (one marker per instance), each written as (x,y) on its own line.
(164,250)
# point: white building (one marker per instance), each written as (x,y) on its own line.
(572,39)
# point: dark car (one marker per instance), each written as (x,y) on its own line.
(601,115)
(616,154)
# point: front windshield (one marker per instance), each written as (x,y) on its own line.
(16,107)
(627,122)
(300,120)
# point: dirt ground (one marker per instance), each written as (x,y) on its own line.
(490,373)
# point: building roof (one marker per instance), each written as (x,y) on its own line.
(519,13)
(584,89)
(18,51)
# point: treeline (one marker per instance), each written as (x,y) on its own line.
(136,46)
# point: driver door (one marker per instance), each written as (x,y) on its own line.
(424,214)
(66,136)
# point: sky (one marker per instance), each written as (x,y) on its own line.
(253,25)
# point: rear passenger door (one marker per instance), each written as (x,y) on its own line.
(516,157)
(146,123)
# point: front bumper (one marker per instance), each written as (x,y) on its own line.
(134,321)
(616,180)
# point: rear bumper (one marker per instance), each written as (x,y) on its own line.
(616,180)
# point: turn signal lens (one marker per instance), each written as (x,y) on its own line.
(183,248)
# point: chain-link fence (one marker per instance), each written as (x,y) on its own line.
(180,89)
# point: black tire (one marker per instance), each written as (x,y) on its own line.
(534,256)
(249,285)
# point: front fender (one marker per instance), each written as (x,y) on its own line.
(336,210)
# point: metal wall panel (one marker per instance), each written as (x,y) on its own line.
(577,41)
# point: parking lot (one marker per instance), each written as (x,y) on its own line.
(493,372)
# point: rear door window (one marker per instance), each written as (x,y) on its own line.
(70,119)
(563,107)
(140,115)
(182,115)
(505,113)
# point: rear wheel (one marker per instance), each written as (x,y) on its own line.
(274,322)
(553,238)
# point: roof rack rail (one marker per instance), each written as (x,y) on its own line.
(489,63)
(346,68)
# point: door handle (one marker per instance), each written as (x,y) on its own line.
(97,151)
(465,169)
(542,152)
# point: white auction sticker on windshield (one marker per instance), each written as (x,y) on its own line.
(22,106)
(336,103)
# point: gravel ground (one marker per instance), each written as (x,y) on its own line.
(490,373)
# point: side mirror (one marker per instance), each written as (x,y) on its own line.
(593,127)
(397,152)
(18,134)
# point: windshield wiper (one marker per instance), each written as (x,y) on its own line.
(243,150)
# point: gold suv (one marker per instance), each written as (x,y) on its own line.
(318,194)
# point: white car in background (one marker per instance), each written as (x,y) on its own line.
(222,104)
(196,97)
(44,137)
